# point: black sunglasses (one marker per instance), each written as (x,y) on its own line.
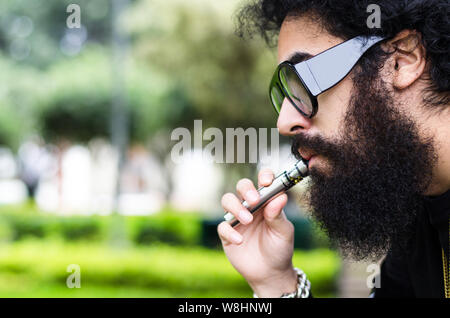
(301,83)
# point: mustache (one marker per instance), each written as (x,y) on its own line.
(318,145)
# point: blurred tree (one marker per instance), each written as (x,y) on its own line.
(35,31)
(33,37)
(10,133)
(76,105)
(186,63)
(18,92)
(224,78)
(77,102)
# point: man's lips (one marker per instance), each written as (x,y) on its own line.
(306,155)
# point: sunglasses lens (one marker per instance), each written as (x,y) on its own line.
(277,97)
(295,90)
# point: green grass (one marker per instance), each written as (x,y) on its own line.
(38,269)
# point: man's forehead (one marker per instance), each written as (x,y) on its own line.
(300,39)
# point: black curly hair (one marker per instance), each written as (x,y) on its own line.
(347,18)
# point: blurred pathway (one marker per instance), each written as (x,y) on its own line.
(353,278)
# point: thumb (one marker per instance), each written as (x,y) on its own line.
(275,217)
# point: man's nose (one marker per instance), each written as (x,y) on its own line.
(291,121)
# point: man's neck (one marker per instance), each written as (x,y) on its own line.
(438,126)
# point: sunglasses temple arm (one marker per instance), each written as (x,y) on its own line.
(322,72)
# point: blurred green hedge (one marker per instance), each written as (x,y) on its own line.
(38,268)
(17,223)
(164,259)
(168,226)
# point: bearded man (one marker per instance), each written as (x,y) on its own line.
(368,108)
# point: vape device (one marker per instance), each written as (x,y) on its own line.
(281,183)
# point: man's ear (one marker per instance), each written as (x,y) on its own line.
(409,58)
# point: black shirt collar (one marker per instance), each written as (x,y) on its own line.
(438,208)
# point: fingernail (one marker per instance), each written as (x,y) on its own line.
(236,238)
(252,196)
(245,216)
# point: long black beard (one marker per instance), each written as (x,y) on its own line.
(370,200)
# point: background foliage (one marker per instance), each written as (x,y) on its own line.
(183,62)
(162,256)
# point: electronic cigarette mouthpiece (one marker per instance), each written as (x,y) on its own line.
(281,183)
